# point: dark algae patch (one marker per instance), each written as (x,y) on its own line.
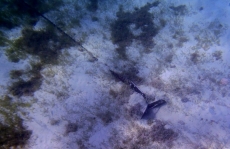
(161,134)
(14,74)
(3,40)
(217,55)
(15,12)
(13,133)
(22,87)
(195,57)
(179,10)
(92,5)
(44,44)
(40,47)
(13,136)
(71,127)
(140,19)
(26,87)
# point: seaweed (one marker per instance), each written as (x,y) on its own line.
(13,136)
(195,57)
(44,44)
(168,58)
(142,20)
(22,87)
(71,127)
(28,87)
(45,5)
(106,116)
(181,37)
(15,74)
(141,137)
(121,33)
(179,10)
(3,40)
(135,111)
(182,40)
(132,74)
(93,5)
(13,133)
(16,12)
(35,69)
(217,55)
(161,134)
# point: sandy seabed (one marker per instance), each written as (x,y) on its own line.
(81,105)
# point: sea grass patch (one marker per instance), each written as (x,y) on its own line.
(44,44)
(139,20)
(3,40)
(16,12)
(179,10)
(92,5)
(140,137)
(13,133)
(20,86)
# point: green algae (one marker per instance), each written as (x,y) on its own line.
(9,109)
(179,10)
(12,137)
(42,47)
(13,133)
(22,87)
(15,74)
(44,44)
(92,5)
(3,40)
(217,55)
(15,12)
(142,20)
(26,87)
(195,57)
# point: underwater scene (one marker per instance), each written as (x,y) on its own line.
(114,74)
